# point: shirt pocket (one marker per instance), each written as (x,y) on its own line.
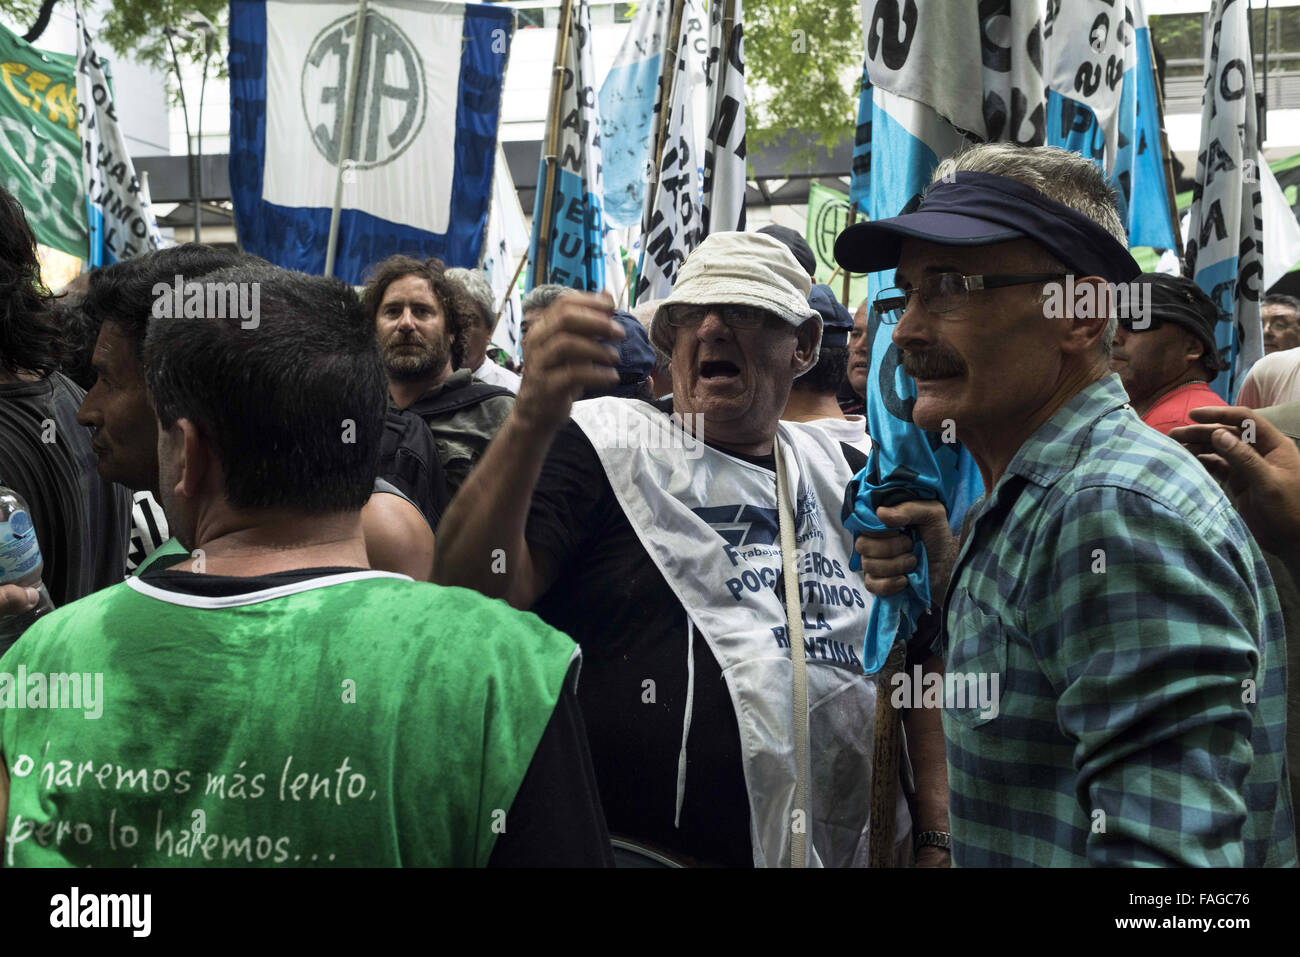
(975,667)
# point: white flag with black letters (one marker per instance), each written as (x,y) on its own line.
(121,222)
(1225,245)
(672,226)
(1086,46)
(724,156)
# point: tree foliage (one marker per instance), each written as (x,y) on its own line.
(134,28)
(803,64)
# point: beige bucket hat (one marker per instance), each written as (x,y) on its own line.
(750,269)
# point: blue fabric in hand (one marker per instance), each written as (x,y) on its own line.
(893,618)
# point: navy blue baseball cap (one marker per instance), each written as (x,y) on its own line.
(636,357)
(979,209)
(836,321)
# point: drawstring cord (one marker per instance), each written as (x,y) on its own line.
(686,721)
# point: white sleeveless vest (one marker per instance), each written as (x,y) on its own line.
(709,523)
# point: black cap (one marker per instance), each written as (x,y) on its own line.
(1183,303)
(796,243)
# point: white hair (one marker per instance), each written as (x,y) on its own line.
(476,287)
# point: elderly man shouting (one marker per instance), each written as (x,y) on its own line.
(655,542)
(1104,581)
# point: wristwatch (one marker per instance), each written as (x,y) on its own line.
(934,839)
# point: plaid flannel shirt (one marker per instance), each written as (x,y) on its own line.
(1136,636)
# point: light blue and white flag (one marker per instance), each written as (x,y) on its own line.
(1085,45)
(1130,149)
(1224,246)
(918,116)
(582,251)
(627,112)
(121,223)
(418,175)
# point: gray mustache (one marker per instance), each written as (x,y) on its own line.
(930,365)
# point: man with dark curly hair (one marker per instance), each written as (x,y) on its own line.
(423,322)
(45,456)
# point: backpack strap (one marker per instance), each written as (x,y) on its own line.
(457,399)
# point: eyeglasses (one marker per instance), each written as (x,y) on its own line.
(947,291)
(734,317)
(1128,323)
(1280,325)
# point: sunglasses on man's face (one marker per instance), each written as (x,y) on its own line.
(689,315)
(1130,324)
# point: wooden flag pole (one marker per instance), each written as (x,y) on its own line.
(882,825)
(844,290)
(552,144)
(520,268)
(1166,154)
(724,54)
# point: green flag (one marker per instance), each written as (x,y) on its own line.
(828,213)
(40,147)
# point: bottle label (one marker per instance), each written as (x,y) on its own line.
(20,553)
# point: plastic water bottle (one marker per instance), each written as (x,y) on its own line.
(20,563)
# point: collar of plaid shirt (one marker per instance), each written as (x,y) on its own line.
(1115,604)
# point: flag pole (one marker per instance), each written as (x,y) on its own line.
(513,280)
(345,144)
(1165,153)
(542,263)
(844,289)
(666,78)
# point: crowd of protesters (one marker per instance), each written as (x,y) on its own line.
(351,592)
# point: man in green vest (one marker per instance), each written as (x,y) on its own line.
(263,697)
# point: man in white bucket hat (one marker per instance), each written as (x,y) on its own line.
(655,541)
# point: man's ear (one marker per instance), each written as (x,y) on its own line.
(1193,347)
(1088,313)
(196,459)
(807,337)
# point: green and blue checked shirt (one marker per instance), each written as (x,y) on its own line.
(1135,634)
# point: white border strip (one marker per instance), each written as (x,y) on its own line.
(254,597)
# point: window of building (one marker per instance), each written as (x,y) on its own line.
(530,17)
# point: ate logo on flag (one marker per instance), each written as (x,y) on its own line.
(380,133)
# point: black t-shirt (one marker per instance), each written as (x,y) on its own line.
(609,596)
(81,521)
(555,819)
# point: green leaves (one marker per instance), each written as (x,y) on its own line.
(134,28)
(803,63)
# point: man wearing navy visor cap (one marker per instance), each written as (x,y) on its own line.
(1104,590)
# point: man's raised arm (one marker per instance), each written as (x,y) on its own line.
(480,540)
